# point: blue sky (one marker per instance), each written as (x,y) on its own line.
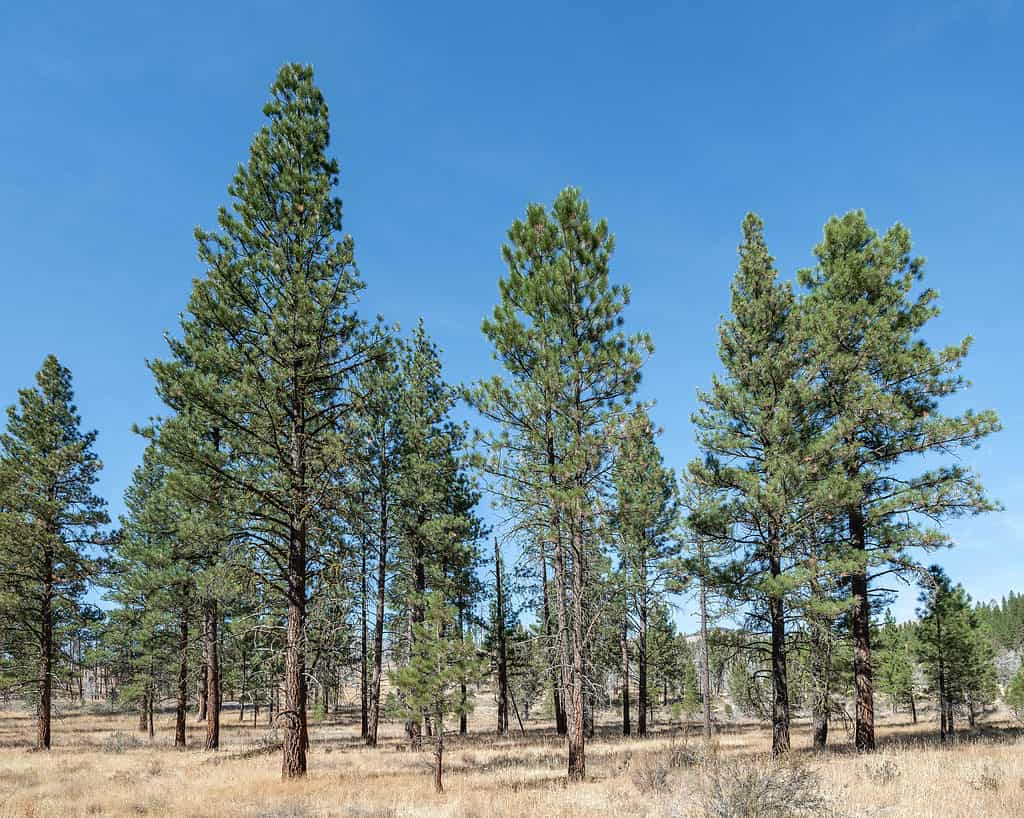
(123,123)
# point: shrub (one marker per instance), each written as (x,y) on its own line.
(649,775)
(884,773)
(986,778)
(779,789)
(119,742)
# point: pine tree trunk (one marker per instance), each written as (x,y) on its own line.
(624,647)
(577,728)
(438,753)
(502,658)
(364,715)
(642,699)
(181,704)
(293,762)
(780,681)
(201,714)
(149,699)
(463,693)
(143,724)
(913,708)
(860,621)
(212,676)
(557,706)
(705,672)
(559,684)
(821,660)
(378,625)
(44,712)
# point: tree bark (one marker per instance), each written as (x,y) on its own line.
(705,673)
(438,753)
(502,657)
(293,716)
(45,708)
(642,697)
(577,728)
(821,660)
(559,675)
(378,624)
(212,676)
(860,622)
(624,647)
(463,693)
(364,715)
(780,681)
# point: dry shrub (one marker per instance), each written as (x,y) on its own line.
(649,775)
(119,742)
(886,772)
(986,778)
(761,789)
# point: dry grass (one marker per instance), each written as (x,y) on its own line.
(487,776)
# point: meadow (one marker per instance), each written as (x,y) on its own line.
(101,766)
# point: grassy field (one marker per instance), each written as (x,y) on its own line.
(99,765)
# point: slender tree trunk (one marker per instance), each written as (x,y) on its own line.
(821,661)
(378,624)
(705,672)
(860,621)
(642,698)
(438,753)
(143,724)
(780,681)
(559,681)
(364,715)
(150,701)
(557,706)
(913,707)
(44,712)
(624,647)
(201,715)
(463,693)
(414,728)
(502,658)
(577,727)
(293,764)
(181,705)
(212,676)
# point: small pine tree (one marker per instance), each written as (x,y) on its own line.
(440,661)
(1015,695)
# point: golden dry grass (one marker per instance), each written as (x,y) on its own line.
(98,767)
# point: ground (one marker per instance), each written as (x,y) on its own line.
(100,766)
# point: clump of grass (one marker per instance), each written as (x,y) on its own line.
(779,789)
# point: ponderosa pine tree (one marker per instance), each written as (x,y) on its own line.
(569,372)
(439,662)
(752,427)
(644,521)
(880,385)
(269,345)
(49,519)
(377,442)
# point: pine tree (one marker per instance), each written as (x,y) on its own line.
(49,519)
(439,663)
(570,370)
(896,664)
(270,344)
(881,386)
(753,430)
(644,522)
(1015,695)
(950,646)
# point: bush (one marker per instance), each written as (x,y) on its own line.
(884,773)
(779,789)
(649,775)
(119,742)
(986,778)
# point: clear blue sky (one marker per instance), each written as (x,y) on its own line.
(122,126)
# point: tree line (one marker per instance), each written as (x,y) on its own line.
(305,519)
